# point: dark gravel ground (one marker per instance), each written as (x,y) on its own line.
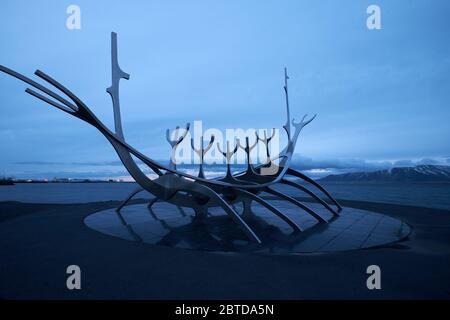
(39,241)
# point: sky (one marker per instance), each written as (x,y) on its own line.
(381,96)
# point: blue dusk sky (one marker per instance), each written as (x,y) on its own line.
(381,96)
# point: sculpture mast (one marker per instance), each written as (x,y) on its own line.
(117,74)
(287,126)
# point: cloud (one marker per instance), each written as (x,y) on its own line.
(427,161)
(304,163)
(39,163)
(403,163)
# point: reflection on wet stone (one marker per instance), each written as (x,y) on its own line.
(172,226)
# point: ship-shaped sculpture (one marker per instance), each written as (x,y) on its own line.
(186,190)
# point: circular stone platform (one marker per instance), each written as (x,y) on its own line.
(168,225)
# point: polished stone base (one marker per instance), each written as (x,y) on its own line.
(172,226)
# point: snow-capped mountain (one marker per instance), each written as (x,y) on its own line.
(422,173)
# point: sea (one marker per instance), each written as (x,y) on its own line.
(432,195)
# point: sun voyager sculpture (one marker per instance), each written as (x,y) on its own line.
(198,192)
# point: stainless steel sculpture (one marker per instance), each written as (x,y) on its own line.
(186,190)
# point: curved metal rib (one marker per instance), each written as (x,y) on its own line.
(287,126)
(300,175)
(204,190)
(297,203)
(124,203)
(21,77)
(266,204)
(312,194)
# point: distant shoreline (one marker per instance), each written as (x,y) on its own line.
(325,182)
(64,182)
(412,175)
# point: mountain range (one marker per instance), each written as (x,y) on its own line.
(421,173)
